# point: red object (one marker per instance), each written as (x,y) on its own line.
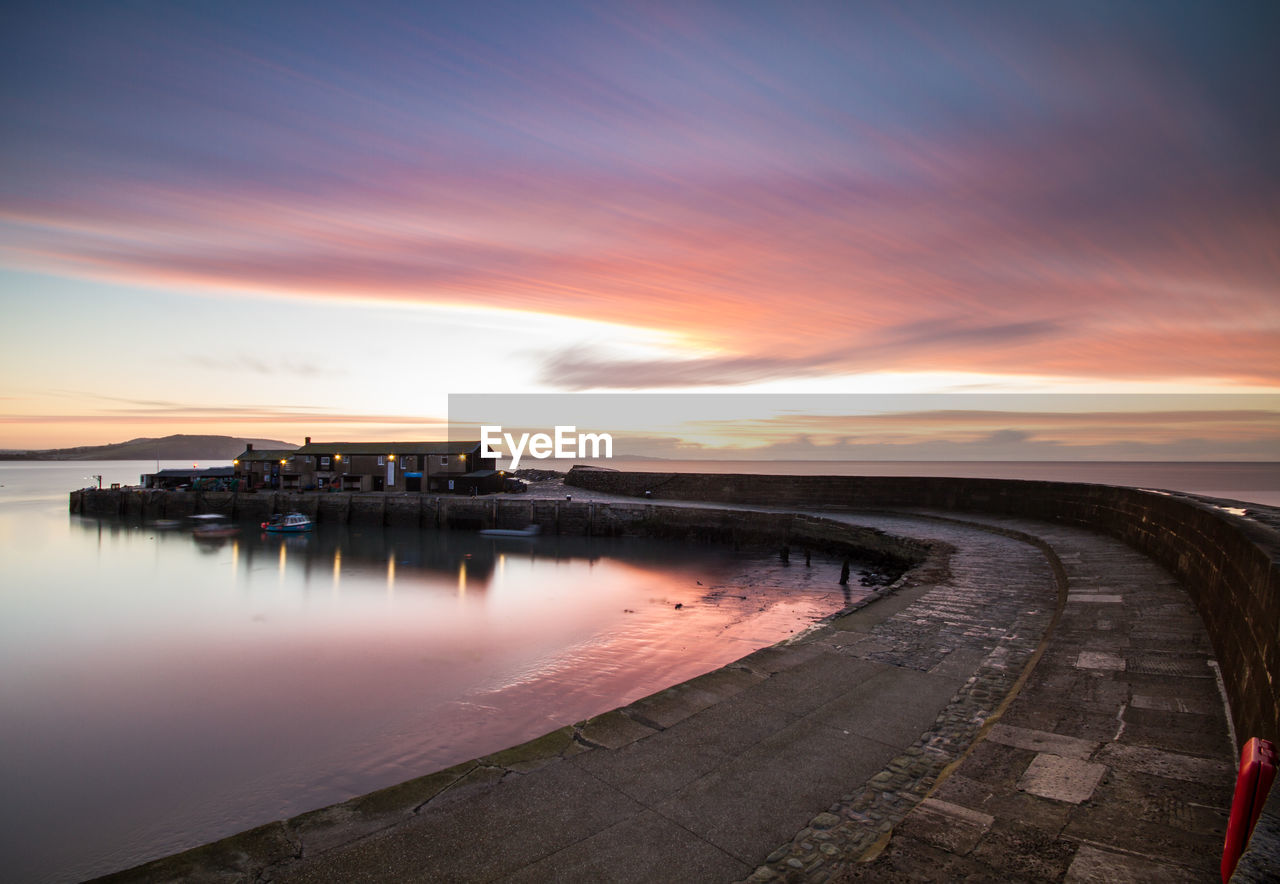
(1257,772)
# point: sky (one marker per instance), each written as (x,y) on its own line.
(287,219)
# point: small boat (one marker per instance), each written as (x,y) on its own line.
(211,526)
(289,523)
(531,531)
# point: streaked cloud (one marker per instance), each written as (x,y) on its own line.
(584,370)
(778,193)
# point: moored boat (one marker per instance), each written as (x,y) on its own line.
(289,523)
(210,526)
(531,531)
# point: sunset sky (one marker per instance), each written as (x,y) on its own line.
(287,219)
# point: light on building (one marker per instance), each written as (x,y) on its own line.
(391,457)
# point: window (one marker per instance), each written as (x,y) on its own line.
(444,461)
(324,463)
(382,460)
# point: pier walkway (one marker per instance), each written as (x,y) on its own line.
(1039,703)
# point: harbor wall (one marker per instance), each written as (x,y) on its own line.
(578,518)
(1230,564)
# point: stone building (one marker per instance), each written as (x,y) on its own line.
(260,468)
(368,466)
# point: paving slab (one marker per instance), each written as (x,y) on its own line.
(1106,660)
(952,827)
(1093,865)
(1062,779)
(1042,741)
(1168,765)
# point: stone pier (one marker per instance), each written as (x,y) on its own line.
(1037,699)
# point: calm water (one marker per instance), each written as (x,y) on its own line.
(159,692)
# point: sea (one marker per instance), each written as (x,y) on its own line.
(158,691)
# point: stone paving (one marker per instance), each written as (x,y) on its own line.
(1112,763)
(989,627)
(1037,704)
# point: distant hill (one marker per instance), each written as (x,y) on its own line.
(179,447)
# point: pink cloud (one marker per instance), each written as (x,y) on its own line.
(802,197)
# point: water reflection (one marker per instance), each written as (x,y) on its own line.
(406,558)
(160,691)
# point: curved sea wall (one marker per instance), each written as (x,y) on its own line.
(588,518)
(1229,563)
(578,518)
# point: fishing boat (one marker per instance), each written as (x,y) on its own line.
(289,523)
(531,531)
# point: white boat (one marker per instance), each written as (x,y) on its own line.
(210,526)
(290,523)
(531,531)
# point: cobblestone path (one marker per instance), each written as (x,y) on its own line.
(1112,763)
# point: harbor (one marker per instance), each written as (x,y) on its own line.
(1065,725)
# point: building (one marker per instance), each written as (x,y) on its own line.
(366,466)
(260,468)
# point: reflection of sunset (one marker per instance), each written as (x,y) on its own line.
(273,674)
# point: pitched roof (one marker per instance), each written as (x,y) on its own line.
(206,473)
(350,448)
(265,454)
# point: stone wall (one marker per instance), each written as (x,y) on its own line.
(1230,564)
(447,512)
